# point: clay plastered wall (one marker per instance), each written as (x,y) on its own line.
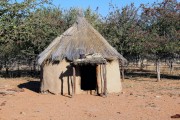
(113,77)
(57,78)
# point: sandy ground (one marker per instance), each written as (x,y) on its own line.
(141,99)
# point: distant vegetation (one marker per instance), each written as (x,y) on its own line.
(148,32)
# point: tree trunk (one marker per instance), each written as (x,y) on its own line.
(147,65)
(34,68)
(142,64)
(171,67)
(122,73)
(7,70)
(137,61)
(158,70)
(19,73)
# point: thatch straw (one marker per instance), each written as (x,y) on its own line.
(79,39)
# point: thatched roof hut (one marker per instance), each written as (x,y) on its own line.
(81,46)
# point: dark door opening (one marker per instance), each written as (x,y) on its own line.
(88,77)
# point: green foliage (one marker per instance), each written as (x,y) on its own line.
(70,15)
(123,32)
(19,24)
(44,24)
(26,28)
(93,18)
(162,21)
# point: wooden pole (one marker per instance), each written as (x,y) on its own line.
(105,80)
(74,81)
(98,79)
(101,78)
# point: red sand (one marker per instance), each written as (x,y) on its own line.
(141,99)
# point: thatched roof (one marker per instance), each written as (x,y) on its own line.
(80,39)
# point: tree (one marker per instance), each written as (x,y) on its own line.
(123,32)
(161,21)
(70,16)
(14,28)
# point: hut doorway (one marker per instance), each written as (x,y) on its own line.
(88,77)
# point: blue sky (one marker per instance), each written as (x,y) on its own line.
(103,5)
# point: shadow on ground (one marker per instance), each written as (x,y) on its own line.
(31,85)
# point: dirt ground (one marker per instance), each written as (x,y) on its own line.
(141,99)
